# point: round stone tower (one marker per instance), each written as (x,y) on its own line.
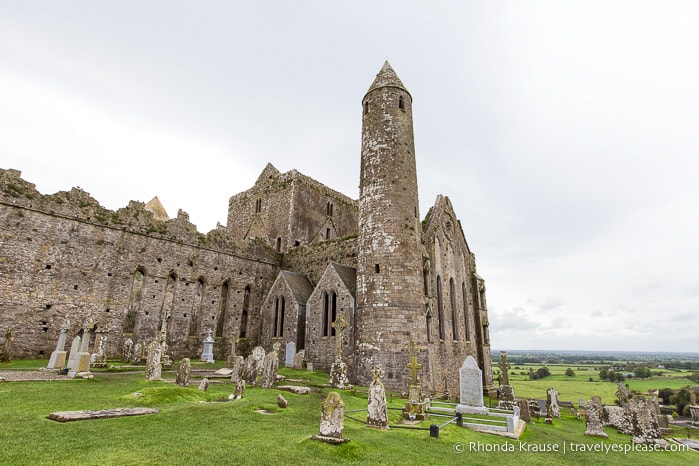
(390,291)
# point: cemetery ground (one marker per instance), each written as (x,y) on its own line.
(197,427)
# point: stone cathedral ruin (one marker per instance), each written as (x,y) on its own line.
(294,257)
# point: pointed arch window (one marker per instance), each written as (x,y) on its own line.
(244,315)
(279,305)
(440,308)
(452,299)
(135,301)
(465,300)
(224,306)
(329,313)
(197,306)
(429,324)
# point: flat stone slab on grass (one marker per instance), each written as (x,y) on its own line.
(295,389)
(70,416)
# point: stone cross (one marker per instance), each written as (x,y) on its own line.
(504,367)
(413,365)
(376,373)
(339,325)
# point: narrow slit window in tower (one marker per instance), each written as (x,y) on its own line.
(366,108)
(377,269)
(401,103)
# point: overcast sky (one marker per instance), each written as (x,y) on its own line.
(565,133)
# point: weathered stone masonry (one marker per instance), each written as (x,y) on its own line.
(63,256)
(295,255)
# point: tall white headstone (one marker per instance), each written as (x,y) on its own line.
(471,388)
(208,353)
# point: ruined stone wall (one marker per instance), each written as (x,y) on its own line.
(320,347)
(64,256)
(290,210)
(268,310)
(455,323)
(313,259)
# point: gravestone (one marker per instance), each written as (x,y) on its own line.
(471,388)
(231,357)
(137,354)
(622,394)
(338,374)
(693,408)
(338,370)
(548,419)
(99,357)
(524,413)
(504,368)
(282,402)
(552,400)
(239,389)
(289,353)
(596,399)
(332,420)
(83,360)
(298,360)
(153,367)
(207,354)
(535,408)
(204,385)
(694,411)
(309,366)
(250,370)
(238,366)
(58,357)
(127,350)
(258,354)
(506,397)
(377,411)
(644,423)
(183,372)
(271,365)
(617,417)
(73,356)
(593,420)
(5,355)
(415,409)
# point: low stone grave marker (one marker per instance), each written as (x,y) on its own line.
(70,416)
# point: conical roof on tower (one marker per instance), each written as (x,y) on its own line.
(387,78)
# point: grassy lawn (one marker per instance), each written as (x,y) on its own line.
(193,428)
(579,386)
